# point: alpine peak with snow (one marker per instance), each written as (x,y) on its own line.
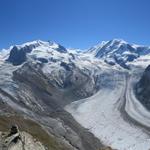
(118,51)
(74,99)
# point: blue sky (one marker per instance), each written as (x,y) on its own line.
(74,23)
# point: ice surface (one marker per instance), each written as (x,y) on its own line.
(101,114)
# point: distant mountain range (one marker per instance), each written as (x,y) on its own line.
(113,52)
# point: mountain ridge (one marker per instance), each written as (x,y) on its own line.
(113,52)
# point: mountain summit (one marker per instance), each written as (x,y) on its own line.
(36,49)
(118,51)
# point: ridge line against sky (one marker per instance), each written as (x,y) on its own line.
(76,24)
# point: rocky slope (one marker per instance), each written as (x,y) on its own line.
(32,128)
(143,88)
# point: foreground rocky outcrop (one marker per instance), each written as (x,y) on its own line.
(18,140)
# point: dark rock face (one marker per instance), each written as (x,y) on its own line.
(143,88)
(61,49)
(42,60)
(14,129)
(131,57)
(17,56)
(65,65)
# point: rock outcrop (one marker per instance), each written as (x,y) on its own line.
(19,140)
(143,88)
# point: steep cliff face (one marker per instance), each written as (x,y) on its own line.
(143,88)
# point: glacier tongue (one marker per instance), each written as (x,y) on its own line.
(104,115)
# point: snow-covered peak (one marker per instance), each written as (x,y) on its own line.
(115,42)
(40,43)
(36,49)
(118,51)
(121,41)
